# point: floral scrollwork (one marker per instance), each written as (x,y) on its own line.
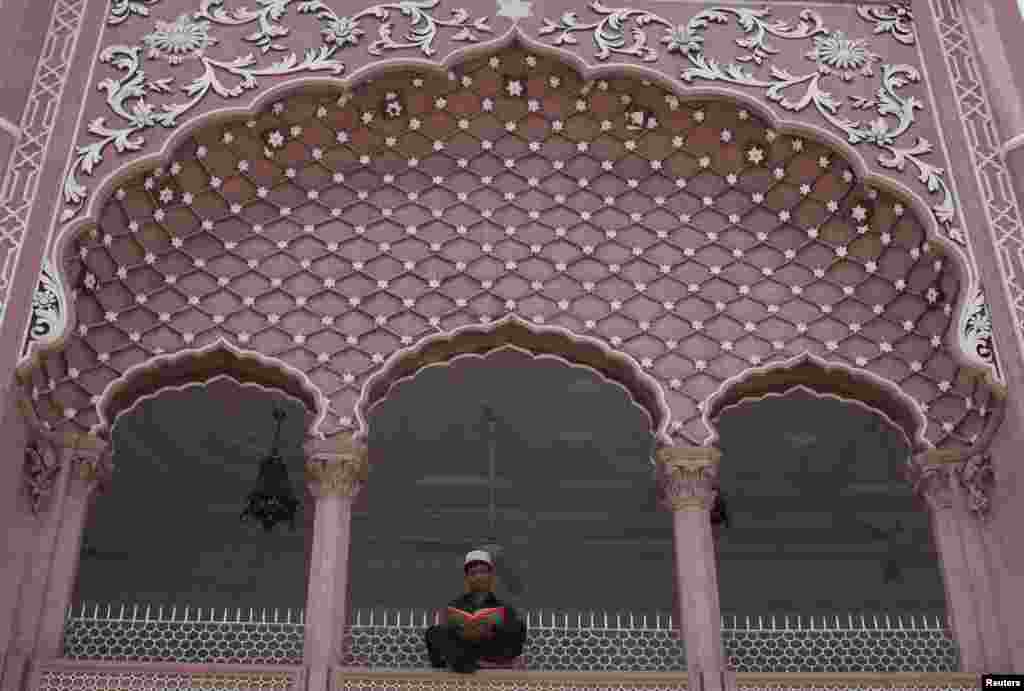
(343,31)
(897,19)
(134,97)
(121,10)
(833,52)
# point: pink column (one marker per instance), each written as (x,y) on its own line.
(689,484)
(984,556)
(88,458)
(336,471)
(33,532)
(52,560)
(971,597)
(995,54)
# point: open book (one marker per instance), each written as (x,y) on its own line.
(490,615)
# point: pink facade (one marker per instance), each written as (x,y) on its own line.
(703,203)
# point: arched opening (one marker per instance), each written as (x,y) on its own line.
(513,332)
(574,494)
(167,542)
(819,506)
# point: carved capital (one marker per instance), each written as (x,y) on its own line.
(338,466)
(942,475)
(934,477)
(689,477)
(978,478)
(90,463)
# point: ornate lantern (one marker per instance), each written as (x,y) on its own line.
(273,500)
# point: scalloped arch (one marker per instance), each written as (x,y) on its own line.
(825,380)
(193,367)
(515,333)
(515,36)
(396,386)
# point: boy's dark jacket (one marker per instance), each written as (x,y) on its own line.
(511,634)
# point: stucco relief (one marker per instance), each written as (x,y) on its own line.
(329,230)
(142,102)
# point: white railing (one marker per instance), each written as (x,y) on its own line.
(541,619)
(796,622)
(566,640)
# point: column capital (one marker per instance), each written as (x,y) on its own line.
(941,476)
(89,460)
(689,477)
(336,467)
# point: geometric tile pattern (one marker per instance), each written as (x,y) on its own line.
(556,641)
(333,229)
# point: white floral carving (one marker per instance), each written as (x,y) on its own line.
(344,31)
(175,41)
(896,19)
(832,49)
(121,10)
(131,96)
(835,51)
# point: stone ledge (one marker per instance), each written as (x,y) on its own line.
(350,677)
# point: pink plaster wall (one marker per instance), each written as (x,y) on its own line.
(67,132)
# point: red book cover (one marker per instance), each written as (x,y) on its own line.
(494,615)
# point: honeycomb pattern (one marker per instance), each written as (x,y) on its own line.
(148,680)
(835,649)
(576,649)
(334,229)
(556,642)
(160,638)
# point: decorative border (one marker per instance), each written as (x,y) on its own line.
(21,178)
(1002,210)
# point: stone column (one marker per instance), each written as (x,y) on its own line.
(336,470)
(36,501)
(955,496)
(89,469)
(689,486)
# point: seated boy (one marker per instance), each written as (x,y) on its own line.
(459,643)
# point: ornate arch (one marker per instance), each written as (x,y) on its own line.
(824,380)
(202,366)
(513,333)
(631,287)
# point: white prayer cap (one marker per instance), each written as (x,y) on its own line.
(478,555)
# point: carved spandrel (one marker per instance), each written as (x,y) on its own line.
(336,468)
(688,477)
